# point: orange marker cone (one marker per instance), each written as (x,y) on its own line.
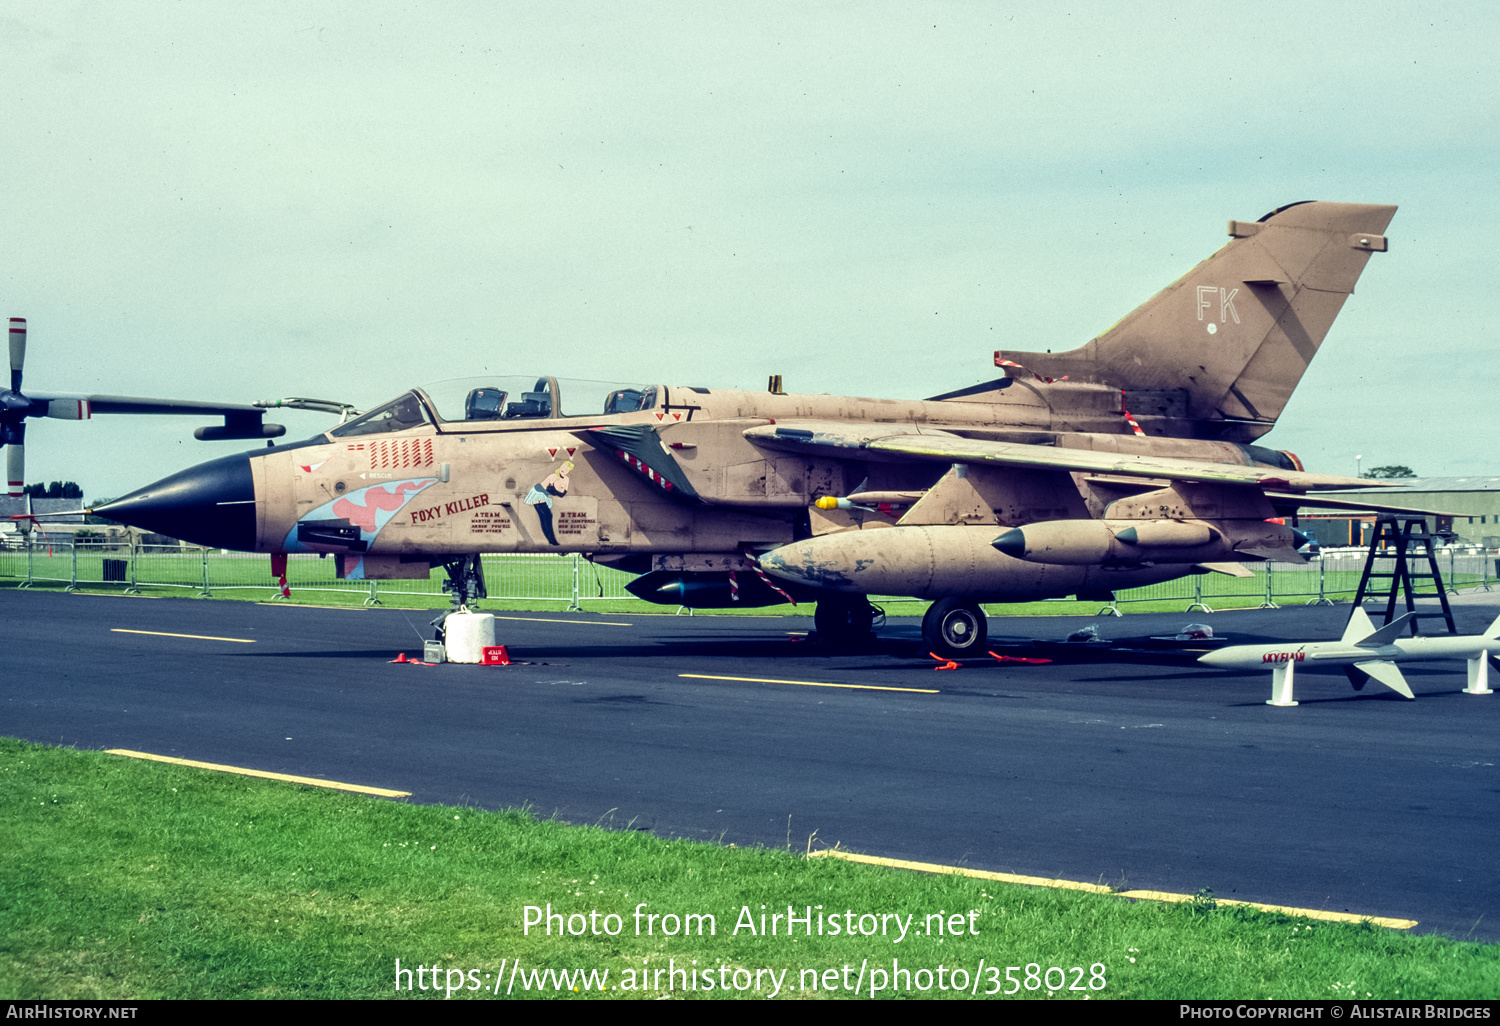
(400,658)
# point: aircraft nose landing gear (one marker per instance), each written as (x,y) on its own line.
(955,628)
(843,620)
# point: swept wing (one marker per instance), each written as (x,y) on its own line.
(898,442)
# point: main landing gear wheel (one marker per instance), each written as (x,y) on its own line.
(955,628)
(843,619)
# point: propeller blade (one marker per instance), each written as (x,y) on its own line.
(69,409)
(17,351)
(15,466)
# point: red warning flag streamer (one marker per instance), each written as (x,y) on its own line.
(772,585)
(36,526)
(1019,659)
(1128,418)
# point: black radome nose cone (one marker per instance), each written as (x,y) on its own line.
(211,504)
(1012,543)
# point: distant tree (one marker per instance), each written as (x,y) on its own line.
(55,490)
(1395,470)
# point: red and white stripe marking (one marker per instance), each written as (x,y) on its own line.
(647,472)
(766,579)
(1128,418)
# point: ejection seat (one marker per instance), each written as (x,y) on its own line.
(536,403)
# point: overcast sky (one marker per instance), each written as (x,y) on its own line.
(342,200)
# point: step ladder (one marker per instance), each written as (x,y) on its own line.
(1404,539)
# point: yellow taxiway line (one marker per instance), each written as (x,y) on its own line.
(196,637)
(1078,885)
(538,619)
(313,781)
(978,874)
(807,683)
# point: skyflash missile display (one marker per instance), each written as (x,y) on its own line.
(1366,653)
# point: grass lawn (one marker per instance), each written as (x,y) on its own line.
(126,879)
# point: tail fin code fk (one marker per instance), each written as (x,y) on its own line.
(1227,342)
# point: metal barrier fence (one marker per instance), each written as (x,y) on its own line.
(1331,576)
(574,581)
(537,577)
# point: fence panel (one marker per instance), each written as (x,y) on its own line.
(574,582)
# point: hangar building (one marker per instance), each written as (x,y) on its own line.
(1475,500)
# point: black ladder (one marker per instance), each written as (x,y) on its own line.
(1405,539)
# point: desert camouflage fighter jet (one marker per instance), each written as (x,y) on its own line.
(1128,461)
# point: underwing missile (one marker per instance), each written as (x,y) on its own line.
(937,561)
(1088,542)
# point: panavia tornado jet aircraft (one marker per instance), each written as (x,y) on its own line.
(1128,461)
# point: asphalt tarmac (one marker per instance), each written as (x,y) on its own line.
(1146,773)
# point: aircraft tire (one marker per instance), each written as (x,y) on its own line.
(843,620)
(955,628)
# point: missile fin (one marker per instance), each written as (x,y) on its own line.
(1387,634)
(1359,626)
(1388,673)
(1494,631)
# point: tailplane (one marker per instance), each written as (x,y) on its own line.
(1227,342)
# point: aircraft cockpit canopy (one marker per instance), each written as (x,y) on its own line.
(404,411)
(501,398)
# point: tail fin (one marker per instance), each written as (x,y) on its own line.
(1389,633)
(1494,630)
(1358,628)
(1227,342)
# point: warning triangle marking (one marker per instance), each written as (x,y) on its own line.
(572,449)
(552,453)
